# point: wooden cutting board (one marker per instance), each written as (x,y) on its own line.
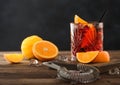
(103,67)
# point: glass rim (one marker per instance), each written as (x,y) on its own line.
(90,22)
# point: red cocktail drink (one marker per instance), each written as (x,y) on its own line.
(86,37)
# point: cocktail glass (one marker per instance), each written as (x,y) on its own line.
(86,37)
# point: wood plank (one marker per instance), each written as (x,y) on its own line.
(23,73)
(26,71)
(32,82)
(54,82)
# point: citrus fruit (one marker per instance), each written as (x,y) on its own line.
(77,20)
(14,58)
(102,57)
(45,50)
(27,44)
(86,57)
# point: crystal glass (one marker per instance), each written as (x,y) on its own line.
(86,37)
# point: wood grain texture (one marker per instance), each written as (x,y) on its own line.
(23,73)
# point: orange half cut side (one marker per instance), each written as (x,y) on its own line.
(45,50)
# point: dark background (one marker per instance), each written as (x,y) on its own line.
(50,20)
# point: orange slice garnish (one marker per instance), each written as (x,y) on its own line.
(86,57)
(77,20)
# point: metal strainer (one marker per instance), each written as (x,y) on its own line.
(84,73)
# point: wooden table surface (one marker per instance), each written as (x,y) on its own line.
(24,73)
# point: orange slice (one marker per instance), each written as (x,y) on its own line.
(77,20)
(102,57)
(86,57)
(13,58)
(45,50)
(27,44)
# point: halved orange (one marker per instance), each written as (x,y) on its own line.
(45,50)
(86,57)
(77,20)
(27,44)
(102,57)
(14,57)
